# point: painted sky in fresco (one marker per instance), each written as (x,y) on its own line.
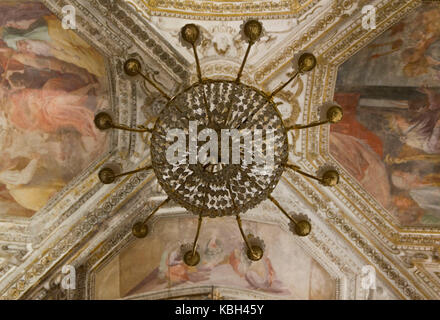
(51,84)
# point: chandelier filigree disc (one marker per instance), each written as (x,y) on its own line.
(212,187)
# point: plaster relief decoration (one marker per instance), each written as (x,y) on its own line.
(51,84)
(222,45)
(216,9)
(156,263)
(389,139)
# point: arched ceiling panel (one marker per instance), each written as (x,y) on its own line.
(90,228)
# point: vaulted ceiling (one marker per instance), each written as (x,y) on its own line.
(383,217)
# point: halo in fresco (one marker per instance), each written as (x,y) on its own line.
(51,84)
(389,139)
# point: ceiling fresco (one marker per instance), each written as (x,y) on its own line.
(156,264)
(389,139)
(52,82)
(383,214)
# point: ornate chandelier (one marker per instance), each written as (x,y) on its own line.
(212,187)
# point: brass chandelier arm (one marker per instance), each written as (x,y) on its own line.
(103,121)
(155,210)
(155,85)
(240,226)
(192,257)
(275,202)
(140,229)
(281,87)
(330,178)
(108,176)
(252,254)
(199,69)
(334,115)
(191,34)
(147,168)
(302,227)
(305,126)
(132,67)
(306,62)
(196,240)
(240,72)
(126,128)
(252,30)
(297,169)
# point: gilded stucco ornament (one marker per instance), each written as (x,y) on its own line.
(362,206)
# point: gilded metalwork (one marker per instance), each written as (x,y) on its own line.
(108,176)
(213,187)
(140,229)
(190,33)
(203,188)
(192,257)
(335,114)
(302,227)
(254,252)
(306,63)
(253,30)
(132,67)
(229,9)
(103,121)
(330,178)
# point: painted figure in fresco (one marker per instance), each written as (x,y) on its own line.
(359,150)
(397,158)
(218,266)
(51,83)
(424,55)
(259,276)
(423,192)
(421,137)
(21,15)
(19,161)
(412,190)
(393,45)
(422,131)
(52,108)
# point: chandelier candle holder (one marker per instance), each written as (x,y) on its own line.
(202,178)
